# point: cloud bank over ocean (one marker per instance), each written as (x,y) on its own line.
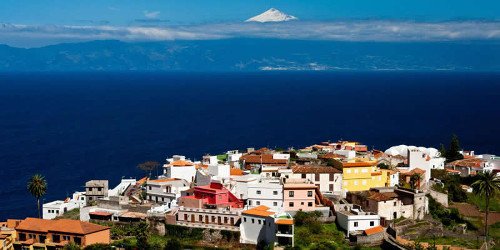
(364,30)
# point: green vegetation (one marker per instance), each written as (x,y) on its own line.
(487,186)
(383,166)
(310,233)
(72,215)
(37,186)
(480,202)
(448,216)
(451,185)
(453,241)
(334,163)
(222,157)
(452,153)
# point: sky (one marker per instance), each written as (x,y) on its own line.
(36,23)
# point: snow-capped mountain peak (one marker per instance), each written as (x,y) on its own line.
(271,15)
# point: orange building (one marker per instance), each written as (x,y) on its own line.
(33,233)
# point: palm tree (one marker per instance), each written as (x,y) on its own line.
(37,186)
(487,185)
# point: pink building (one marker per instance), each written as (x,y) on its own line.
(300,195)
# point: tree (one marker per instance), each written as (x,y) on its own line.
(415,181)
(71,246)
(453,154)
(442,150)
(148,166)
(487,185)
(37,186)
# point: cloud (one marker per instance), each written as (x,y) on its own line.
(368,30)
(151,14)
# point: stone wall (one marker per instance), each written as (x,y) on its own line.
(442,198)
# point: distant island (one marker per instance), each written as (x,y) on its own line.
(253,54)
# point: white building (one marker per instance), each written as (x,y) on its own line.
(266,192)
(239,184)
(220,171)
(329,179)
(348,154)
(419,157)
(178,167)
(53,209)
(120,188)
(262,224)
(354,219)
(165,190)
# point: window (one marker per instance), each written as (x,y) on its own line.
(250,202)
(90,189)
(302,203)
(66,237)
(348,171)
(258,203)
(309,204)
(290,204)
(394,203)
(275,203)
(77,240)
(99,189)
(244,219)
(309,193)
(56,238)
(258,191)
(150,187)
(259,222)
(22,236)
(331,177)
(331,187)
(304,176)
(372,223)
(316,177)
(355,224)
(253,221)
(275,192)
(291,193)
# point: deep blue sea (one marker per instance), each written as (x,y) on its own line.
(81,126)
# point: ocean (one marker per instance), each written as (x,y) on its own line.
(73,127)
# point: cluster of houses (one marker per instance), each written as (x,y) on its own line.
(258,193)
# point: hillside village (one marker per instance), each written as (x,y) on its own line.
(268,198)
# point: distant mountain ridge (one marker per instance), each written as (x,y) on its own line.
(252,55)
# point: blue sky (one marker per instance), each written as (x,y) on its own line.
(36,23)
(124,12)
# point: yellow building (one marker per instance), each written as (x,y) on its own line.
(8,234)
(363,175)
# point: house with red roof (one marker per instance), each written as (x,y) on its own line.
(55,234)
(262,224)
(210,206)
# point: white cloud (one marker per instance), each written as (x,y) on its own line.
(151,14)
(335,31)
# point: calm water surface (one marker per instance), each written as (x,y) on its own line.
(76,127)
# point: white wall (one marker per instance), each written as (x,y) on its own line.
(324,181)
(349,154)
(252,232)
(271,195)
(348,222)
(219,170)
(185,172)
